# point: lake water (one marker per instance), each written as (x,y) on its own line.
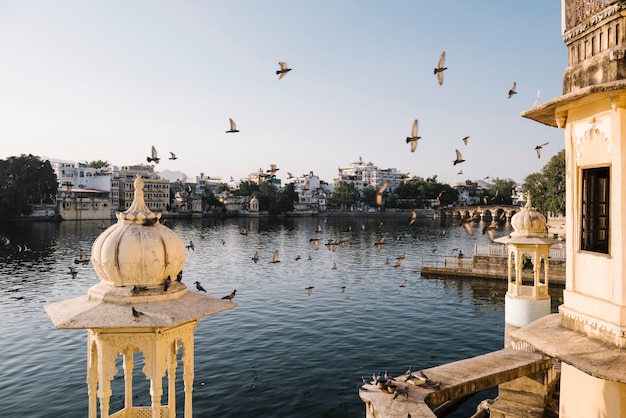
(282,352)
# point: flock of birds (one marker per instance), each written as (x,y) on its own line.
(412,140)
(439,71)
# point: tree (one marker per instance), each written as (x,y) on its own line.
(97,164)
(547,188)
(345,194)
(246,188)
(209,200)
(501,192)
(24,181)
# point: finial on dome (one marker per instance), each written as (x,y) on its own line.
(138,212)
(528,204)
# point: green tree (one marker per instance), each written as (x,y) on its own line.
(547,188)
(24,181)
(289,190)
(345,194)
(368,196)
(501,192)
(98,164)
(246,188)
(210,201)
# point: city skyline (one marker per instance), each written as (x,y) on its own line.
(88,81)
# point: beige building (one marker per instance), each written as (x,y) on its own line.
(588,334)
(156,190)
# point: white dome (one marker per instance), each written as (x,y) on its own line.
(528,222)
(138,249)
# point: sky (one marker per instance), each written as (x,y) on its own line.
(106,80)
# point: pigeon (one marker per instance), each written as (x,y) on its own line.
(82,259)
(513,90)
(233,127)
(179,276)
(379,193)
(275,257)
(230,296)
(460,172)
(173,156)
(488,229)
(191,247)
(136,313)
(413,138)
(199,287)
(465,138)
(167,283)
(440,68)
(255,257)
(273,169)
(538,149)
(137,289)
(154,156)
(298,257)
(343,289)
(283,70)
(316,243)
(380,242)
(459,158)
(73,272)
(309,290)
(413,217)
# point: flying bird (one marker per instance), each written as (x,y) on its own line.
(440,68)
(255,257)
(173,156)
(82,258)
(513,90)
(538,149)
(273,169)
(199,286)
(465,138)
(413,217)
(73,272)
(233,127)
(379,193)
(404,283)
(231,295)
(459,158)
(283,70)
(191,247)
(460,172)
(380,242)
(154,156)
(275,257)
(316,243)
(309,290)
(343,289)
(488,229)
(413,138)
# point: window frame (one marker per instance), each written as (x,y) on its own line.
(595,209)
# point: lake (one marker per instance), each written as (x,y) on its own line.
(281,352)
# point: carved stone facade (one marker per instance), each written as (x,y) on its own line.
(594,34)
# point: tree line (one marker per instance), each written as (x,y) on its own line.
(28,180)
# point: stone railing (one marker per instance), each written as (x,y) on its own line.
(557,252)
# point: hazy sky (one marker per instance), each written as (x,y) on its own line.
(105,80)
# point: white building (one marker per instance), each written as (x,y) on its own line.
(363,175)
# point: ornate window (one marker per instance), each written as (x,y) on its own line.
(595,210)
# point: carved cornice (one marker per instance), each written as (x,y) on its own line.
(606,12)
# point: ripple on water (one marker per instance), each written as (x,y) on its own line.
(281,352)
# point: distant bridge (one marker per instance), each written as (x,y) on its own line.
(486,212)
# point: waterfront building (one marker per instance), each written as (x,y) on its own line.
(363,174)
(140,310)
(157,195)
(312,193)
(470,192)
(588,334)
(84,192)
